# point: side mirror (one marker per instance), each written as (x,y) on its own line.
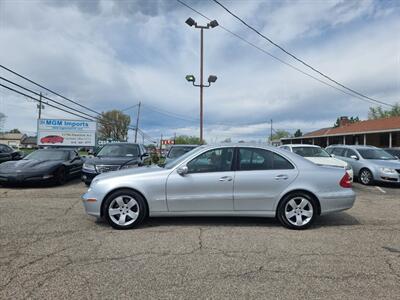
(333,155)
(145,155)
(182,170)
(354,157)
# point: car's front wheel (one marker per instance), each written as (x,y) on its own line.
(366,177)
(125,209)
(297,211)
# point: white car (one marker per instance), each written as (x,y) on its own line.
(318,156)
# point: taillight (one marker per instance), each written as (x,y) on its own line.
(345,182)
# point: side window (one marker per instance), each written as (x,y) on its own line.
(5,149)
(258,159)
(349,153)
(338,151)
(216,160)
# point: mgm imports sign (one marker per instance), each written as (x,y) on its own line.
(60,132)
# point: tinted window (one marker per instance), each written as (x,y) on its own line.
(338,151)
(259,159)
(113,150)
(349,153)
(310,151)
(375,154)
(216,160)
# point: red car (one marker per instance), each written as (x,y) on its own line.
(51,139)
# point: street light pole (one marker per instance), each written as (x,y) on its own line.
(211,78)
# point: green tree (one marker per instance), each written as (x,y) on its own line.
(279,134)
(351,120)
(114,125)
(378,112)
(15,130)
(298,133)
(184,139)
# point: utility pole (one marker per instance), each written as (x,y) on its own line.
(174,138)
(160,144)
(270,137)
(137,122)
(40,106)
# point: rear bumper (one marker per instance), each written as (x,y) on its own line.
(337,201)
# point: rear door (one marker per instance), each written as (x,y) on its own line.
(260,178)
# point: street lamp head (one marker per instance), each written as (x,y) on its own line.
(190,78)
(213,23)
(190,22)
(212,78)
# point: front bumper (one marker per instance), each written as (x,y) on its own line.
(92,203)
(25,177)
(388,177)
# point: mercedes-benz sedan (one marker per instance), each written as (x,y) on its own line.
(229,180)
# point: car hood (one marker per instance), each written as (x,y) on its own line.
(103,160)
(133,171)
(327,161)
(393,164)
(27,165)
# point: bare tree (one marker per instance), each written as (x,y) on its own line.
(114,125)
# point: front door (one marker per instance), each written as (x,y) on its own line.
(207,186)
(261,177)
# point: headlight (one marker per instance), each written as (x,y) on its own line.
(128,167)
(348,167)
(89,167)
(388,170)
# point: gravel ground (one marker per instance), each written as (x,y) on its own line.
(49,248)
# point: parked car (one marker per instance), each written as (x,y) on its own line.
(369,163)
(318,156)
(52,139)
(176,151)
(394,151)
(55,165)
(113,157)
(8,153)
(228,180)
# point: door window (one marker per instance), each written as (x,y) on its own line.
(338,151)
(258,159)
(348,153)
(216,160)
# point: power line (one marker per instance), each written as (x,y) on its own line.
(298,59)
(37,100)
(47,89)
(275,57)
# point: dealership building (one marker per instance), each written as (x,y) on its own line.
(383,133)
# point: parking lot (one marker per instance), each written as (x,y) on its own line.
(51,249)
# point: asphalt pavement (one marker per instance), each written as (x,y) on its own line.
(49,248)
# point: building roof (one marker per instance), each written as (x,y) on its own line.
(11,136)
(368,126)
(29,140)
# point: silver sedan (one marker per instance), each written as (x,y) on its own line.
(229,180)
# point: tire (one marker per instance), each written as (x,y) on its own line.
(61,176)
(297,211)
(125,209)
(365,177)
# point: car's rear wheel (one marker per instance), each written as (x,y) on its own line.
(125,209)
(366,177)
(297,211)
(61,176)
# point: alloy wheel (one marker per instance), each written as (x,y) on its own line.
(299,211)
(366,177)
(123,210)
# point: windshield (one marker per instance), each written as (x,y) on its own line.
(177,161)
(43,155)
(310,152)
(375,154)
(176,152)
(119,150)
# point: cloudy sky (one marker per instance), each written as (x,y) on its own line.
(112,54)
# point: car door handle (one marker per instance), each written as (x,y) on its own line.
(281,177)
(226,178)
